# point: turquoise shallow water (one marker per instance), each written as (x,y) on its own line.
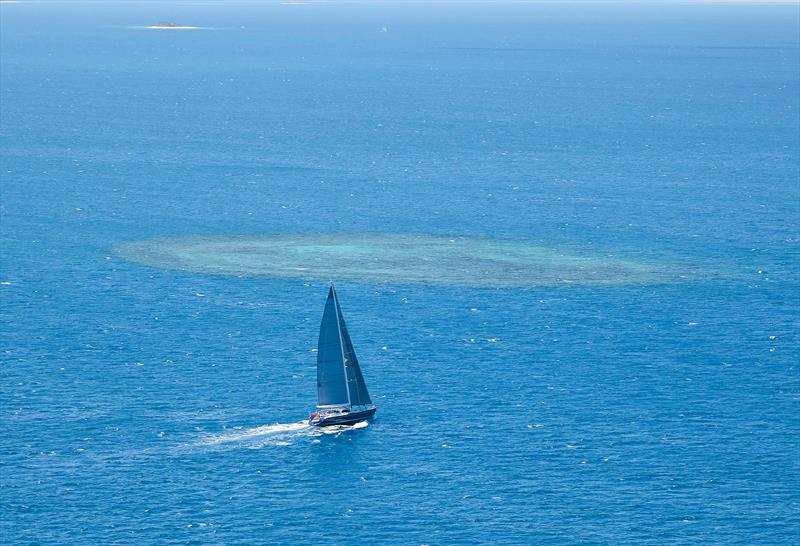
(144,404)
(398,258)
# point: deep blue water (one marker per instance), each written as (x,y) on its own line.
(636,413)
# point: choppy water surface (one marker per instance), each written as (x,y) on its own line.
(565,239)
(388,258)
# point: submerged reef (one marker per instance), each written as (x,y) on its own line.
(393,258)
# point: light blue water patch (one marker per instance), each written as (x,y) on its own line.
(396,258)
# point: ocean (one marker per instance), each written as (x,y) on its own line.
(610,355)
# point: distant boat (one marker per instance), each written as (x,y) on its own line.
(342,397)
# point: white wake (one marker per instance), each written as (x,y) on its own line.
(278,434)
(243,435)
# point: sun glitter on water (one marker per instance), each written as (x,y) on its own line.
(392,258)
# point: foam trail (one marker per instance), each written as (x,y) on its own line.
(255,432)
(338,429)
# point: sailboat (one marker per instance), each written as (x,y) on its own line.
(342,397)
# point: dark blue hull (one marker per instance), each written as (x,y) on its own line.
(349,418)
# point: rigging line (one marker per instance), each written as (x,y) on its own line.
(341,344)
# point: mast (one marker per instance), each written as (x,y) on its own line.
(341,345)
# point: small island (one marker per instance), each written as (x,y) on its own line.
(170,26)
